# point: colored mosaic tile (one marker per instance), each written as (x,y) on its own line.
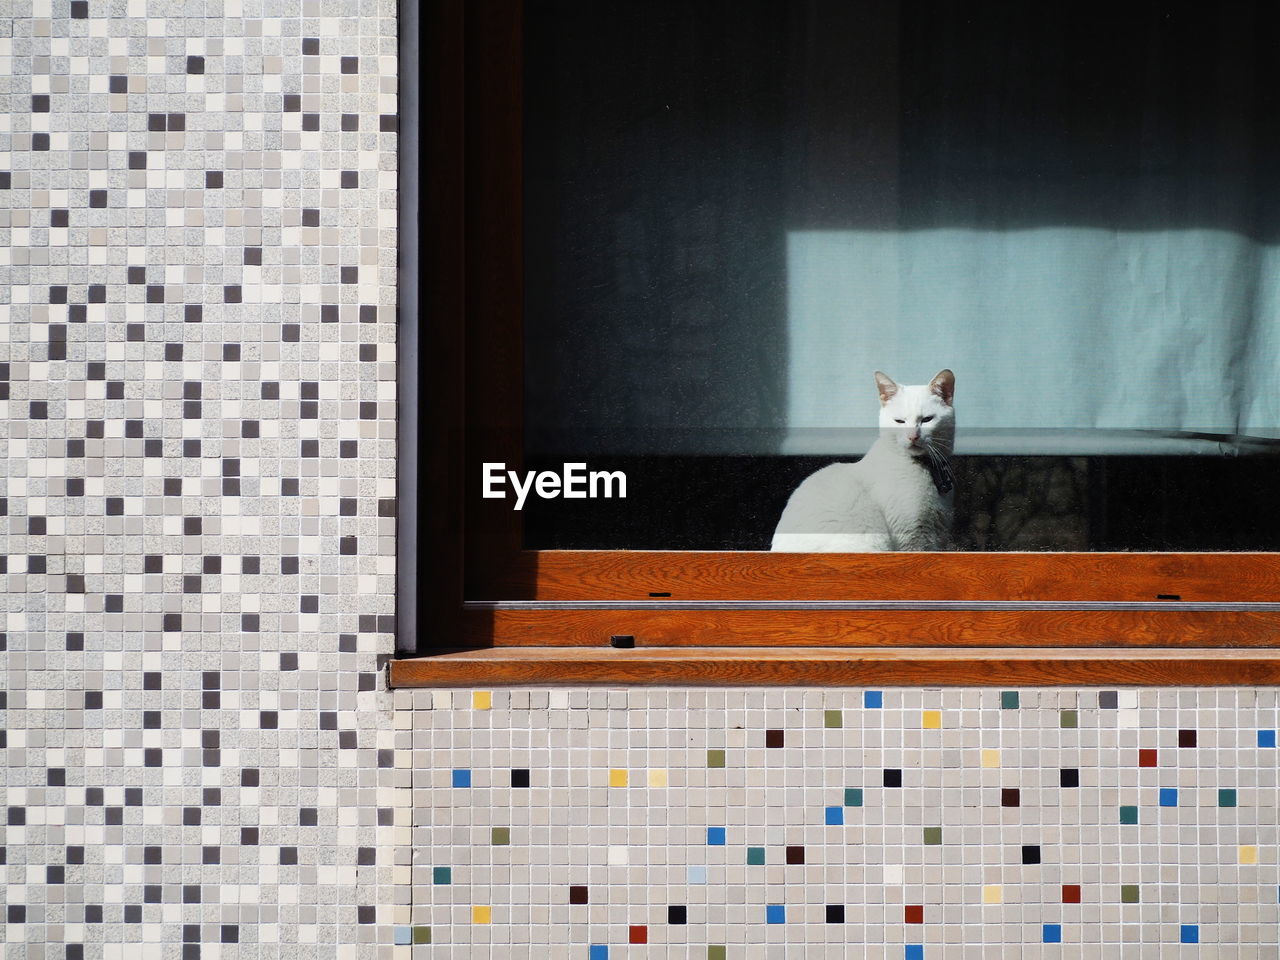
(1267,739)
(1147,758)
(442,875)
(835,913)
(1010,797)
(618,778)
(776,913)
(1168,798)
(755,856)
(1226,797)
(638,934)
(715,758)
(1008,699)
(774,739)
(1052,933)
(1130,893)
(834,816)
(481,914)
(873,699)
(1187,738)
(482,699)
(993,893)
(931,719)
(1129,814)
(462,778)
(1071,893)
(990,759)
(932,836)
(1068,719)
(853,796)
(500,836)
(715,836)
(421,935)
(832,718)
(1190,933)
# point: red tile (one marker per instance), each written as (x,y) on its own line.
(1146,758)
(639,935)
(1070,893)
(913,914)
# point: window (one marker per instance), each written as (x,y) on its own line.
(671,242)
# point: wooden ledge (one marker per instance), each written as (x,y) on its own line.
(830,666)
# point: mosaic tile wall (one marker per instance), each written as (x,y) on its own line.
(198,758)
(887,824)
(197,410)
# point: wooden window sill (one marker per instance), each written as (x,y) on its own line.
(846,666)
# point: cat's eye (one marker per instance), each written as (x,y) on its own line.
(896,420)
(926,419)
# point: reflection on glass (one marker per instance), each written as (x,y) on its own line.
(737,212)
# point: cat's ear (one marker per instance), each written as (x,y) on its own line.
(943,386)
(887,388)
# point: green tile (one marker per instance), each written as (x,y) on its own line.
(755,856)
(1068,719)
(442,874)
(501,836)
(932,836)
(1129,893)
(1226,798)
(1009,700)
(715,758)
(853,796)
(421,934)
(1128,814)
(716,953)
(832,718)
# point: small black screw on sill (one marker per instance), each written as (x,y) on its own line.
(1168,596)
(660,594)
(622,641)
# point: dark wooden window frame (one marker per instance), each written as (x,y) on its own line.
(475,608)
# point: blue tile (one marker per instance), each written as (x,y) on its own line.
(775,913)
(599,951)
(442,875)
(404,935)
(1168,797)
(1190,933)
(913,951)
(697,874)
(873,699)
(835,816)
(715,836)
(1266,738)
(462,778)
(1052,933)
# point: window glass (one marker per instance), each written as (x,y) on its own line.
(736,213)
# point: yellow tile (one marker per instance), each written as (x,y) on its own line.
(481,914)
(931,719)
(990,758)
(1248,854)
(482,699)
(993,893)
(657,778)
(617,778)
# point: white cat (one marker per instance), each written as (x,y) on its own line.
(897,497)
